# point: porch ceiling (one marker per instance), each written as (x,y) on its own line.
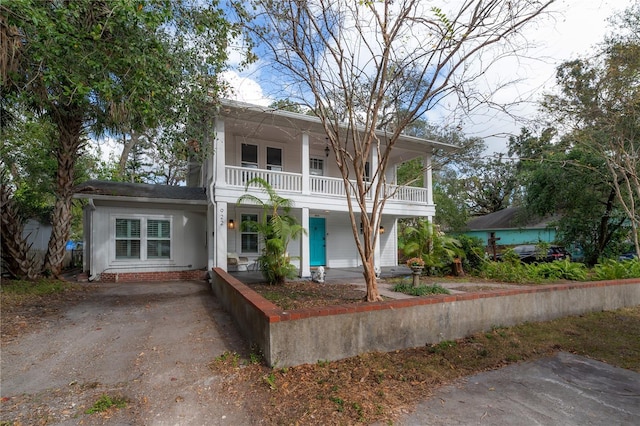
(252,121)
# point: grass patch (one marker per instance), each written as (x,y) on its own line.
(15,294)
(105,402)
(421,290)
(41,287)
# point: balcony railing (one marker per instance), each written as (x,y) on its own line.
(282,181)
(318,185)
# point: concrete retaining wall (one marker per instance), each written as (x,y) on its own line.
(328,333)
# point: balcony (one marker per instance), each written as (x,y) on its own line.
(292,183)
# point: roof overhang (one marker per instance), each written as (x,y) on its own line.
(312,124)
(147,200)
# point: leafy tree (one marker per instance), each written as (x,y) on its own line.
(491,188)
(287,105)
(93,67)
(449,169)
(357,63)
(562,178)
(277,228)
(28,172)
(599,103)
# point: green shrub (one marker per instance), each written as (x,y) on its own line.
(473,248)
(507,271)
(421,239)
(559,270)
(510,256)
(614,270)
(421,290)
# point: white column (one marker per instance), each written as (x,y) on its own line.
(220,230)
(428,178)
(373,167)
(304,158)
(376,249)
(305,268)
(219,154)
(211,241)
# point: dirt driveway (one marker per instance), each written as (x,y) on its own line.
(149,342)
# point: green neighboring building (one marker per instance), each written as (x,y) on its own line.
(512,228)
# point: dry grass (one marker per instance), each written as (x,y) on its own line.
(25,304)
(378,386)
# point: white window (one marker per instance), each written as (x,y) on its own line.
(142,238)
(249,235)
(316,166)
(158,239)
(127,238)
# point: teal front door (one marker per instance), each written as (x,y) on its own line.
(317,242)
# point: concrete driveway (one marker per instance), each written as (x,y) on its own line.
(149,342)
(562,390)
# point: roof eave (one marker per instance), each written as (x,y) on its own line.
(139,199)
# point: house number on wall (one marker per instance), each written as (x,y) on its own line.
(221,217)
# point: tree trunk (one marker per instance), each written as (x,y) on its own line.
(69,125)
(15,249)
(373,295)
(127,146)
(366,251)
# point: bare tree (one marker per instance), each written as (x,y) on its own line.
(356,63)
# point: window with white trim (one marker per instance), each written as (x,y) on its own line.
(158,239)
(142,238)
(249,235)
(127,238)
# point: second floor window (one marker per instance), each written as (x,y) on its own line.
(249,156)
(316,166)
(274,159)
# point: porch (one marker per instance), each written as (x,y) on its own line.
(295,184)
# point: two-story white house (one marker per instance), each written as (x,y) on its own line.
(144,232)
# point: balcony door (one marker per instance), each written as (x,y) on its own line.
(317,242)
(316,168)
(274,163)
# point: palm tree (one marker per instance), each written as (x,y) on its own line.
(437,250)
(277,228)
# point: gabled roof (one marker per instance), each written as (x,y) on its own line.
(509,218)
(99,189)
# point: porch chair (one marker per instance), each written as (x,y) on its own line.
(237,263)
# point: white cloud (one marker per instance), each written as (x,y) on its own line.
(245,89)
